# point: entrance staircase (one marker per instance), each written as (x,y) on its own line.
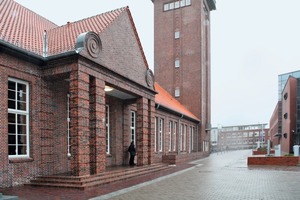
(111,175)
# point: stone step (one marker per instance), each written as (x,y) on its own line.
(107,177)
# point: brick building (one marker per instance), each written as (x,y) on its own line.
(285,122)
(242,136)
(182,55)
(75,96)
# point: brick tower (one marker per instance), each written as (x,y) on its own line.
(182,55)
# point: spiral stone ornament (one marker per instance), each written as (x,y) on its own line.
(149,78)
(93,44)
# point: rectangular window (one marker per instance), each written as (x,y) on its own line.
(182,3)
(133,126)
(68,122)
(161,126)
(107,129)
(174,136)
(170,136)
(155,134)
(18,118)
(166,7)
(188,2)
(180,137)
(184,137)
(171,6)
(177,63)
(177,34)
(191,139)
(177,92)
(177,4)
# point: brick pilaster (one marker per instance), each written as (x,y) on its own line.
(79,130)
(143,135)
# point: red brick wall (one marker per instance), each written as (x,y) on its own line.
(283,160)
(193,51)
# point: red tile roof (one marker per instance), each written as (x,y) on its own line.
(163,98)
(63,38)
(24,28)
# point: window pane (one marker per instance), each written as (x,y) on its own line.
(12,139)
(12,150)
(21,119)
(21,129)
(11,104)
(22,150)
(171,5)
(11,118)
(21,139)
(21,87)
(11,128)
(182,3)
(21,96)
(11,85)
(177,4)
(188,2)
(166,7)
(11,94)
(21,106)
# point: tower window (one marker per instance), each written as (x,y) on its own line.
(166,7)
(285,116)
(177,34)
(177,92)
(177,63)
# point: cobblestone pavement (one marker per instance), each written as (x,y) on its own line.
(220,176)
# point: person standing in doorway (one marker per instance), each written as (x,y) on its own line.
(131,150)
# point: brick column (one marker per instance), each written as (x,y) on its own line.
(100,129)
(79,130)
(151,121)
(5,178)
(144,138)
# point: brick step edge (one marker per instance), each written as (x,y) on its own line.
(102,176)
(96,182)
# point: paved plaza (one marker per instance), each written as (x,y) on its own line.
(220,176)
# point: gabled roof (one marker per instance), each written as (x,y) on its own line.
(165,100)
(63,38)
(22,27)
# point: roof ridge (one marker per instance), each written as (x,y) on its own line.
(87,18)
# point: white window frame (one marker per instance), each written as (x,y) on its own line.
(184,137)
(170,135)
(166,7)
(133,126)
(107,125)
(161,125)
(155,134)
(174,136)
(188,2)
(177,92)
(182,3)
(68,124)
(180,137)
(177,63)
(177,34)
(176,4)
(17,112)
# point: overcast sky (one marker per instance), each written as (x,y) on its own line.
(253,41)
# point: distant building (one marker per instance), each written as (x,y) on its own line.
(285,120)
(242,136)
(214,135)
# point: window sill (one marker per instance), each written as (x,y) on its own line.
(20,160)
